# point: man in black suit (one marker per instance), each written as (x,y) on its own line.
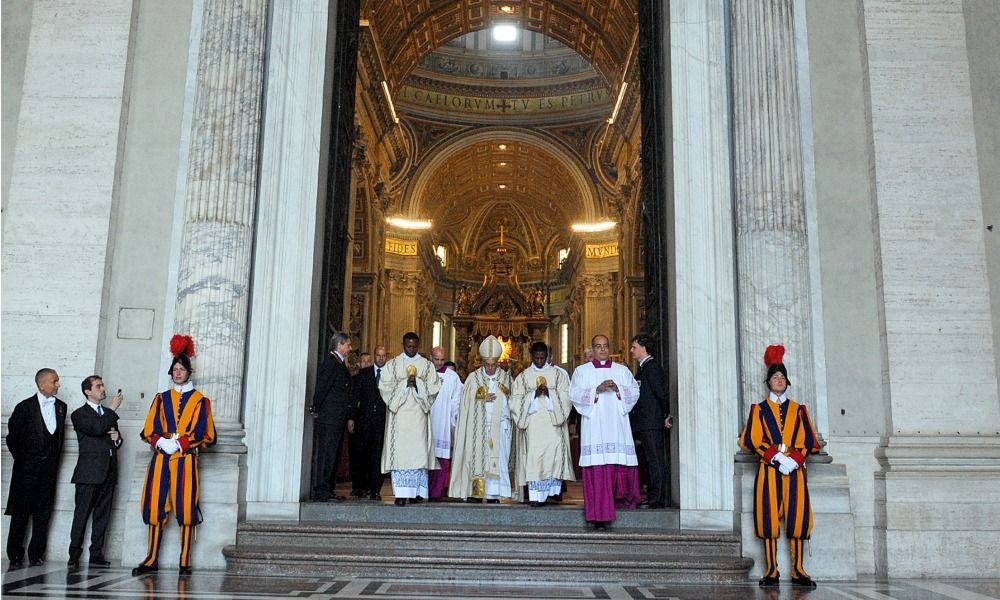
(96,472)
(330,408)
(35,440)
(650,419)
(369,425)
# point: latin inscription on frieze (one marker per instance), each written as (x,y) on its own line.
(481,105)
(601,250)
(400,247)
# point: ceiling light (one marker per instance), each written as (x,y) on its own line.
(507,9)
(501,164)
(502,146)
(402,223)
(504,33)
(593,227)
(502,186)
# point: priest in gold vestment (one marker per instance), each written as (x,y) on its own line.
(480,466)
(539,406)
(408,385)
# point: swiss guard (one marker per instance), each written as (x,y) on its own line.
(179,423)
(779,431)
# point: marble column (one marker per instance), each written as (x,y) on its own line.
(214,275)
(283,338)
(704,359)
(771,238)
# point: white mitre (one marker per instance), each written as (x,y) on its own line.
(490,348)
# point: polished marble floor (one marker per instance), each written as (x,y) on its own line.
(54,581)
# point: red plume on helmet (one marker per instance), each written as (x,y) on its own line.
(182,344)
(773,354)
(773,357)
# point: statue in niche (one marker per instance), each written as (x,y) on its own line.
(464,300)
(537,301)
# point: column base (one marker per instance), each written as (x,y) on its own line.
(940,506)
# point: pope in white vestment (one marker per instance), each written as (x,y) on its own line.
(481,459)
(409,385)
(540,405)
(604,392)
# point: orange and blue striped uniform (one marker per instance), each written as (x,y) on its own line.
(777,496)
(172,481)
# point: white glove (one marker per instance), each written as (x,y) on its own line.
(785,464)
(168,445)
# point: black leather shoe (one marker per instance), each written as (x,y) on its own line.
(37,562)
(376,497)
(99,562)
(416,500)
(184,571)
(73,563)
(766,581)
(357,493)
(600,526)
(648,504)
(400,502)
(804,581)
(15,563)
(493,501)
(144,569)
(336,498)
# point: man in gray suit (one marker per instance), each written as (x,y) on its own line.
(96,470)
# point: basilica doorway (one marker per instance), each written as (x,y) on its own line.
(493,169)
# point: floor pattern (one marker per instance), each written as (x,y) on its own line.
(55,581)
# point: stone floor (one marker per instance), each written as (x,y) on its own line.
(54,581)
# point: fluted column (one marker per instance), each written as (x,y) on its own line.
(772,251)
(214,274)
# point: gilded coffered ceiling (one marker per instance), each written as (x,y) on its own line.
(601,31)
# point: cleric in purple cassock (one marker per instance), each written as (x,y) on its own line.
(604,392)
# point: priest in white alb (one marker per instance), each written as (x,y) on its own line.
(480,468)
(408,385)
(604,392)
(444,416)
(540,406)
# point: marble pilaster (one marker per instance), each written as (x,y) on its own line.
(940,462)
(772,253)
(214,274)
(285,261)
(402,300)
(703,366)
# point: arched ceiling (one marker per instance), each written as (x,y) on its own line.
(602,31)
(475,185)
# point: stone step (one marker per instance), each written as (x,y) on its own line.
(459,513)
(486,552)
(440,564)
(472,538)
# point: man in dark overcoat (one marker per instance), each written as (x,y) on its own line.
(35,440)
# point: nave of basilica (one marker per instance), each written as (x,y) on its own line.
(724,174)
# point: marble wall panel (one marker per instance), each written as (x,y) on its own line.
(56,218)
(929,216)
